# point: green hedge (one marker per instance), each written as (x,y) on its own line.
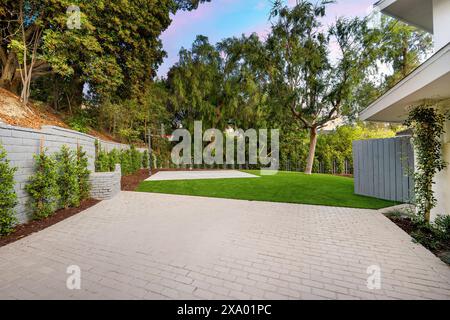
(131,160)
(59,181)
(43,187)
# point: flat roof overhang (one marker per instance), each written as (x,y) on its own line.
(431,80)
(418,13)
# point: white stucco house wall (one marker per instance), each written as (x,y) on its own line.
(431,80)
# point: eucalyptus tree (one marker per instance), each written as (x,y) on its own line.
(314,70)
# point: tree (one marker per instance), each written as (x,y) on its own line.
(220,85)
(196,83)
(403,47)
(114,51)
(244,81)
(21,28)
(305,78)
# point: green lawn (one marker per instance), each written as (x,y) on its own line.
(291,187)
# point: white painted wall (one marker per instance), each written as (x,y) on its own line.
(442,179)
(441,23)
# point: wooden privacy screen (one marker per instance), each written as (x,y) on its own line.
(383,168)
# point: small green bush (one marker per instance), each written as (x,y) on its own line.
(69,189)
(433,236)
(424,234)
(145,159)
(80,122)
(136,159)
(83,174)
(43,187)
(125,162)
(442,227)
(113,159)
(102,161)
(8,197)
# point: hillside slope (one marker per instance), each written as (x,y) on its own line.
(13,112)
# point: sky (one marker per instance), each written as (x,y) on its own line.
(220,19)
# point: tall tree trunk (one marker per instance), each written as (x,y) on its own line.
(8,72)
(312,149)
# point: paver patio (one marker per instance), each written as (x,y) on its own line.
(155,246)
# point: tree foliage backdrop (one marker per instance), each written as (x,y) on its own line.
(298,79)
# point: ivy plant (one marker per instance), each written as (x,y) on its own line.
(8,197)
(43,186)
(427,125)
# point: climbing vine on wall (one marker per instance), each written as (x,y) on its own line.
(427,125)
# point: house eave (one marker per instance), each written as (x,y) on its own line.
(418,13)
(431,80)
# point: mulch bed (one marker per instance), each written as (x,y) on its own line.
(404,223)
(408,226)
(131,182)
(26,229)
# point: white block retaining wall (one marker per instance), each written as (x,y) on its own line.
(105,185)
(22,144)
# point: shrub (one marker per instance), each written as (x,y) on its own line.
(136,159)
(424,234)
(80,122)
(43,187)
(8,197)
(442,227)
(69,189)
(125,162)
(83,174)
(431,235)
(145,159)
(113,159)
(102,161)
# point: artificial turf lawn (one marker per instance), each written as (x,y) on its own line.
(290,187)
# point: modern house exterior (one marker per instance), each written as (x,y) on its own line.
(429,82)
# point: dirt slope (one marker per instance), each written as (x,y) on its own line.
(13,112)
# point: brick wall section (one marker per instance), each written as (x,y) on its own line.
(105,185)
(22,144)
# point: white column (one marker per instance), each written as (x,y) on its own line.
(441,23)
(442,179)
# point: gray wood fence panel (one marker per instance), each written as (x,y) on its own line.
(392,167)
(387,186)
(382,168)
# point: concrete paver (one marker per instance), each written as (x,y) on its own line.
(156,246)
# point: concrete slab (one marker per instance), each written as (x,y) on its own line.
(196,175)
